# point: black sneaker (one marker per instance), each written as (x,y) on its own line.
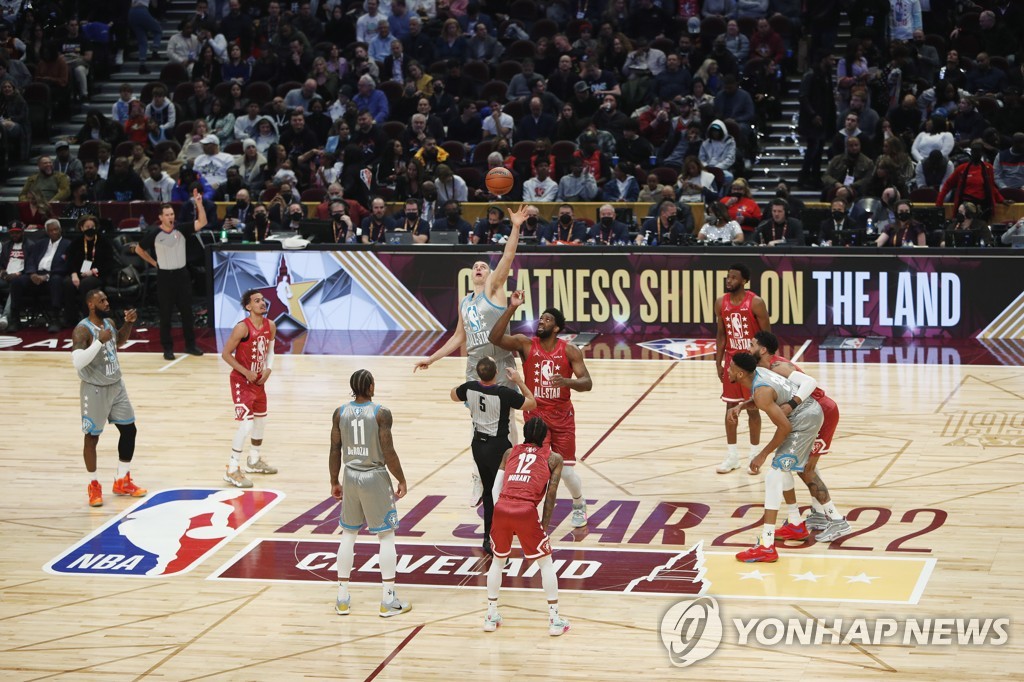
(168,355)
(194,351)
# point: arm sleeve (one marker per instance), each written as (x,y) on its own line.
(499,481)
(805,385)
(269,362)
(81,357)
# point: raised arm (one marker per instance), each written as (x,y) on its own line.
(457,340)
(125,332)
(529,400)
(760,311)
(387,447)
(495,284)
(582,382)
(200,222)
(514,342)
(555,463)
(228,354)
(334,458)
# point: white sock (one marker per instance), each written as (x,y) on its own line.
(254,454)
(238,442)
(548,579)
(90,477)
(492,606)
(387,594)
(343,590)
(494,576)
(794,514)
(768,535)
(573,484)
(755,450)
(734,451)
(233,462)
(816,506)
(346,555)
(123,468)
(831,512)
(552,611)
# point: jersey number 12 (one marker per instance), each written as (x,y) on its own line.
(526,461)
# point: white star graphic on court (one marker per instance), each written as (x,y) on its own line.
(754,575)
(808,576)
(861,578)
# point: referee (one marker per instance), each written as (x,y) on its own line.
(490,405)
(173,282)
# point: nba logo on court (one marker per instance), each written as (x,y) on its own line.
(168,533)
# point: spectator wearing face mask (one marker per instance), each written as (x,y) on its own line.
(450,220)
(414,223)
(341,222)
(260,226)
(904,230)
(608,231)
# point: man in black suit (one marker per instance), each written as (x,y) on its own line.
(46,266)
(536,124)
(607,231)
(829,230)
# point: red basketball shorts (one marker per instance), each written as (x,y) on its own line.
(561,434)
(823,443)
(519,518)
(250,400)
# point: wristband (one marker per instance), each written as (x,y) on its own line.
(793,403)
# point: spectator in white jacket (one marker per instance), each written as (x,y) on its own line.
(935,136)
(183,47)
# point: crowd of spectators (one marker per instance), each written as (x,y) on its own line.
(358,105)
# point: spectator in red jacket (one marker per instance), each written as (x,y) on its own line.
(974,181)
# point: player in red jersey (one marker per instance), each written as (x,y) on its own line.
(250,352)
(529,472)
(741,314)
(548,370)
(824,515)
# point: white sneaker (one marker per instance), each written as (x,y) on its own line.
(558,626)
(492,623)
(258,467)
(237,478)
(730,463)
(476,497)
(342,607)
(395,608)
(579,515)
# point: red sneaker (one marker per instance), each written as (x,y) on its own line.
(791,532)
(758,553)
(95,494)
(125,486)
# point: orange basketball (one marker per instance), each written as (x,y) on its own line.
(499,181)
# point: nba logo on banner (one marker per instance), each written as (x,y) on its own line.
(168,533)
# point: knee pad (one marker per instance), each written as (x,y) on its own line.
(126,443)
(258,424)
(774,483)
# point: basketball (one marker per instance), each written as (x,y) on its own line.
(499,181)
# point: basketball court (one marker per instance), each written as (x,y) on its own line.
(928,465)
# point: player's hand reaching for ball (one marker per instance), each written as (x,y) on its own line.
(105,335)
(758,462)
(518,298)
(519,216)
(336,491)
